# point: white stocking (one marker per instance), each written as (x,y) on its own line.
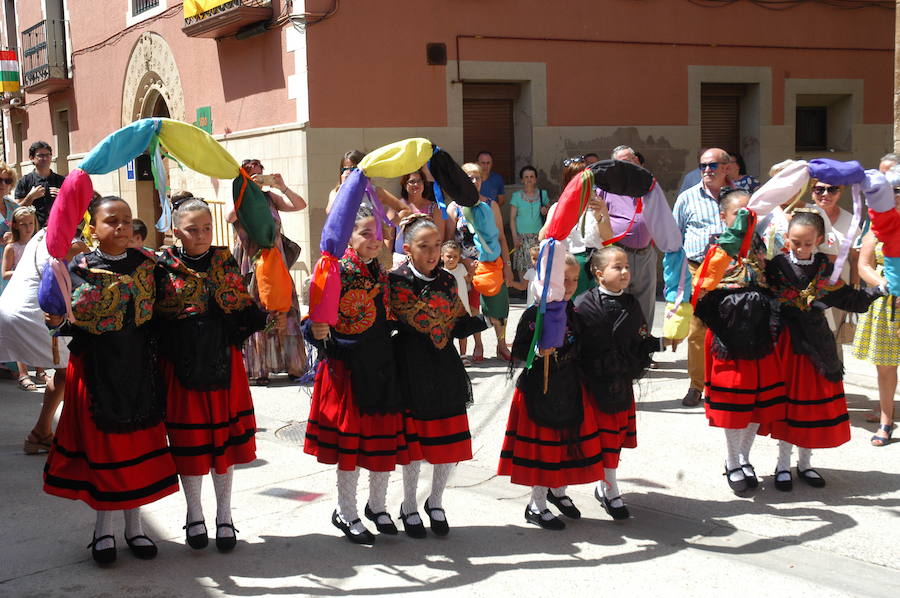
(732,448)
(557,492)
(439,479)
(192,485)
(538,502)
(104,527)
(784,456)
(747,437)
(346,483)
(134,527)
(410,486)
(222,486)
(611,488)
(803,457)
(378,486)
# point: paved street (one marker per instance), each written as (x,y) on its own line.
(689,534)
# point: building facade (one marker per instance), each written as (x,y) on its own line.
(298,84)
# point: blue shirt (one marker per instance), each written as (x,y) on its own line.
(493,186)
(697,216)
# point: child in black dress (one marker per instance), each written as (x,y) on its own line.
(615,351)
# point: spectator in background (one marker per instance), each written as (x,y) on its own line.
(491,182)
(527,211)
(691,177)
(7,205)
(888,161)
(278,348)
(591,158)
(737,174)
(631,234)
(138,233)
(40,186)
(696,212)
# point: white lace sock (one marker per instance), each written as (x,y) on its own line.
(192,485)
(104,527)
(748,435)
(378,486)
(222,485)
(410,486)
(610,488)
(559,493)
(732,447)
(538,502)
(784,456)
(135,527)
(347,482)
(439,479)
(803,457)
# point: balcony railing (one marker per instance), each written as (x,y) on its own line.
(44,67)
(227,18)
(141,6)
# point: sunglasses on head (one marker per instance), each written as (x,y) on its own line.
(178,202)
(822,190)
(252,163)
(575,160)
(709,165)
(346,168)
(896,190)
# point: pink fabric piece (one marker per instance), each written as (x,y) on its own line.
(325,290)
(779,189)
(67,212)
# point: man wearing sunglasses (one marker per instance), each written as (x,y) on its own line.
(39,187)
(696,212)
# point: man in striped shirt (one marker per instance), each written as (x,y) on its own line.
(696,212)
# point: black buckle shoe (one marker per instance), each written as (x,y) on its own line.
(383,528)
(364,537)
(197,541)
(750,476)
(535,518)
(570,511)
(440,528)
(784,485)
(226,543)
(815,480)
(417,530)
(141,551)
(104,556)
(737,486)
(618,513)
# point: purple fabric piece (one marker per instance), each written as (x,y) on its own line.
(339,224)
(49,294)
(621,212)
(833,172)
(377,209)
(554,330)
(879,193)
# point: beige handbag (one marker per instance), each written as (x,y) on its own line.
(846,330)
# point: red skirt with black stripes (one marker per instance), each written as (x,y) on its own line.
(816,408)
(743,391)
(535,455)
(210,430)
(617,431)
(108,471)
(337,433)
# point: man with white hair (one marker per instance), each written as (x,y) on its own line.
(887,161)
(696,212)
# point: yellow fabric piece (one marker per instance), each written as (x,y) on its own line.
(197,150)
(678,324)
(195,7)
(396,159)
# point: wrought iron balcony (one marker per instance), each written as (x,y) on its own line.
(142,6)
(44,68)
(228,18)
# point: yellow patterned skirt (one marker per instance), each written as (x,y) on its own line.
(876,338)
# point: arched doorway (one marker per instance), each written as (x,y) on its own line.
(152,89)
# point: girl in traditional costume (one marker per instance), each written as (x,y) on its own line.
(356,418)
(817,410)
(205,315)
(552,435)
(744,374)
(615,351)
(110,447)
(432,380)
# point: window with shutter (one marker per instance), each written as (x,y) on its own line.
(488,125)
(720,116)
